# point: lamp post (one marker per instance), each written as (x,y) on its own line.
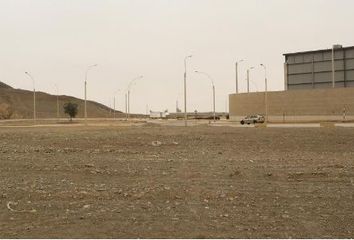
(126,107)
(34,97)
(88,68)
(185,89)
(236,69)
(110,107)
(128,96)
(248,79)
(266,92)
(212,83)
(114,103)
(56,86)
(333,68)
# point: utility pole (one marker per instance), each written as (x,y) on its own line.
(88,68)
(128,101)
(185,90)
(126,110)
(333,68)
(213,86)
(214,103)
(248,79)
(266,93)
(34,97)
(114,107)
(57,101)
(236,69)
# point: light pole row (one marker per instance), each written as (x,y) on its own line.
(248,88)
(185,90)
(127,96)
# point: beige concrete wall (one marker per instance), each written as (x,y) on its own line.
(295,105)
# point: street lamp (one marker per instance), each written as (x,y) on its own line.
(88,68)
(236,68)
(333,68)
(185,89)
(266,92)
(248,79)
(212,83)
(127,97)
(114,103)
(34,96)
(56,86)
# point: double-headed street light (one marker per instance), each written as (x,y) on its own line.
(266,92)
(248,79)
(127,97)
(185,89)
(88,68)
(34,96)
(212,83)
(236,68)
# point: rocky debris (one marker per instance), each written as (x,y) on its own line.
(129,182)
(235,173)
(11,203)
(156,143)
(89,165)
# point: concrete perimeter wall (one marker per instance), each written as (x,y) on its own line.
(295,105)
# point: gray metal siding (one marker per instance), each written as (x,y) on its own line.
(314,69)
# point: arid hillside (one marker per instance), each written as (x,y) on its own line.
(20,103)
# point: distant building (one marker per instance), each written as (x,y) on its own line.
(157,115)
(311,92)
(313,69)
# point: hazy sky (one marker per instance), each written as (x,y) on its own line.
(55,40)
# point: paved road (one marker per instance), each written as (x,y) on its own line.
(171,122)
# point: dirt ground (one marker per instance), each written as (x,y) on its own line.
(173,182)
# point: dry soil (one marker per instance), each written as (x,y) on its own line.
(173,182)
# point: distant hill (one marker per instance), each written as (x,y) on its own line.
(21,103)
(3,85)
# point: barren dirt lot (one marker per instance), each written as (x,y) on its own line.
(201,182)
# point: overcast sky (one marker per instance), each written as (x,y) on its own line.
(55,40)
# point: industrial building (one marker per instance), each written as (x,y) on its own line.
(319,86)
(320,69)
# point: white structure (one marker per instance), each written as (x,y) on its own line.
(157,115)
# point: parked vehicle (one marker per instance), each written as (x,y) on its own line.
(253,119)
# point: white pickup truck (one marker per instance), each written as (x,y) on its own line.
(257,118)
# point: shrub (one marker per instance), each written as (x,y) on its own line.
(5,111)
(71,109)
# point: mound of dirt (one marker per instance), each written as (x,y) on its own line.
(21,103)
(3,85)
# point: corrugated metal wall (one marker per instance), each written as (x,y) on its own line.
(311,70)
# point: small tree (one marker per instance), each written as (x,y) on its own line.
(5,111)
(71,109)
